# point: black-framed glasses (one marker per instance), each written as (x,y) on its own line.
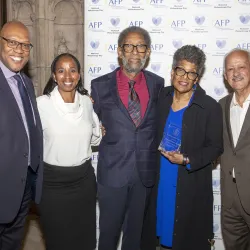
(181,72)
(14,44)
(129,48)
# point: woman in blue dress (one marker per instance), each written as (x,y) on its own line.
(190,138)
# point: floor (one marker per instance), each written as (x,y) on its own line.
(33,239)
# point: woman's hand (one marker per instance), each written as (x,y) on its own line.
(173,156)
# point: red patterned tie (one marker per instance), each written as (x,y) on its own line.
(134,107)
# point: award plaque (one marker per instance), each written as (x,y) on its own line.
(171,140)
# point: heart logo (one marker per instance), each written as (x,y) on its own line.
(115,21)
(113,66)
(95,1)
(215,227)
(219,91)
(221,43)
(156,20)
(155,67)
(216,183)
(94,44)
(177,43)
(199,20)
(136,1)
(245,19)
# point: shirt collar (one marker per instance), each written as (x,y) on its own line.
(124,79)
(7,73)
(235,103)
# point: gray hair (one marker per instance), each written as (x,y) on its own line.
(232,51)
(192,54)
(134,29)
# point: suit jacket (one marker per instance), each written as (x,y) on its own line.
(237,157)
(14,151)
(125,146)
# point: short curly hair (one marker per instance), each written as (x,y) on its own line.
(192,54)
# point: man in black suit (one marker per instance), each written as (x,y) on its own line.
(125,101)
(20,136)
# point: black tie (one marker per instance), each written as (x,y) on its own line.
(134,107)
(34,160)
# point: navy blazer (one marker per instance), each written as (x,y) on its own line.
(14,151)
(125,146)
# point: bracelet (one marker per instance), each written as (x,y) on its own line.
(185,159)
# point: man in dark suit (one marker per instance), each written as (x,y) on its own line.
(125,101)
(20,136)
(235,161)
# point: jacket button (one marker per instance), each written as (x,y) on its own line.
(25,155)
(230,172)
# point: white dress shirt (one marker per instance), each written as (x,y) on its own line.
(69,129)
(237,117)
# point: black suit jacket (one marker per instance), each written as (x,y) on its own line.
(14,151)
(125,146)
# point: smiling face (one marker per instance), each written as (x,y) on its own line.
(14,59)
(133,62)
(182,83)
(237,70)
(66,74)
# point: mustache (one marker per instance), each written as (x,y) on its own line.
(237,78)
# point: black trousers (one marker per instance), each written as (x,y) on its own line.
(11,234)
(122,209)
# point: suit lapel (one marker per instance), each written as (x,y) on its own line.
(4,86)
(150,81)
(227,119)
(245,127)
(116,98)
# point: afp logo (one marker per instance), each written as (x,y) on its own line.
(112,48)
(115,2)
(202,46)
(244,45)
(222,23)
(95,25)
(157,47)
(137,23)
(157,2)
(217,209)
(94,70)
(218,71)
(175,24)
(201,2)
(244,19)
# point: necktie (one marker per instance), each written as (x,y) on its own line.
(134,107)
(34,160)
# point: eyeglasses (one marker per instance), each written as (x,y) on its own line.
(182,72)
(14,44)
(129,48)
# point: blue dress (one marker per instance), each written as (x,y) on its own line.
(167,184)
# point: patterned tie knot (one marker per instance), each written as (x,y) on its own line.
(131,83)
(132,93)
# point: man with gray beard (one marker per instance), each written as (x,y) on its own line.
(125,101)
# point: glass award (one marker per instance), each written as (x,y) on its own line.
(171,140)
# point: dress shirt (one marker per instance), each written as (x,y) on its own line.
(69,129)
(140,87)
(14,88)
(237,117)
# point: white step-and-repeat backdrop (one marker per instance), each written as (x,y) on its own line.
(215,26)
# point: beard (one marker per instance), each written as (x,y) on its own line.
(133,69)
